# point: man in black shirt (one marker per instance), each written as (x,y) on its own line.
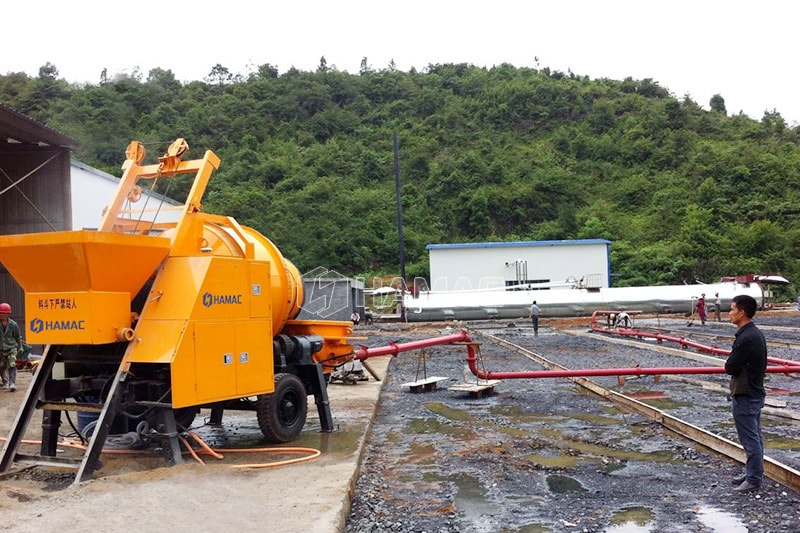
(747,365)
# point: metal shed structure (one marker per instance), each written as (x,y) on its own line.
(34,186)
(520,264)
(331,298)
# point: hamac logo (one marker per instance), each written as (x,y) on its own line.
(221,299)
(36,325)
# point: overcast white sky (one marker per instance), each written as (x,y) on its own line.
(744,50)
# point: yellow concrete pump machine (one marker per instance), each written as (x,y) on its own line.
(152,321)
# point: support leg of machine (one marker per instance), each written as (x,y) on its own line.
(51,422)
(216,416)
(170,443)
(101,430)
(317,377)
(27,409)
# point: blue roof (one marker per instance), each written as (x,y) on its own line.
(515,244)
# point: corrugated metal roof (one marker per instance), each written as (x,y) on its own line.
(515,244)
(16,127)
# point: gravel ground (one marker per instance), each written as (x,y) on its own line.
(543,455)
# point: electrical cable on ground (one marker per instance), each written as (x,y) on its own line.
(312,453)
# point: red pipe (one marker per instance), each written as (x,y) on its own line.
(658,336)
(661,337)
(624,332)
(472,360)
(777,361)
(393,348)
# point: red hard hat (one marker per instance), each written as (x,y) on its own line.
(5,308)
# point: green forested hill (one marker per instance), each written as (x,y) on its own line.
(485,154)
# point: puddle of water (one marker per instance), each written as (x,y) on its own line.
(429,426)
(720,521)
(666,404)
(560,461)
(239,432)
(459,415)
(513,432)
(778,422)
(556,438)
(342,442)
(433,475)
(648,395)
(774,442)
(472,503)
(610,467)
(393,436)
(632,520)
(520,416)
(531,528)
(559,484)
(574,452)
(629,527)
(529,500)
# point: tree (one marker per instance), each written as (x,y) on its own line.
(219,75)
(267,71)
(163,78)
(717,103)
(49,71)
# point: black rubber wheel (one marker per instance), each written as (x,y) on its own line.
(282,414)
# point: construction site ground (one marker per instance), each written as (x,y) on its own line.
(436,461)
(137,492)
(544,455)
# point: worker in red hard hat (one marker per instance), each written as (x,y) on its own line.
(10,346)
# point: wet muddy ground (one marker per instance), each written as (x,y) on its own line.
(544,455)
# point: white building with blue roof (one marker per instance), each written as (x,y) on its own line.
(520,265)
